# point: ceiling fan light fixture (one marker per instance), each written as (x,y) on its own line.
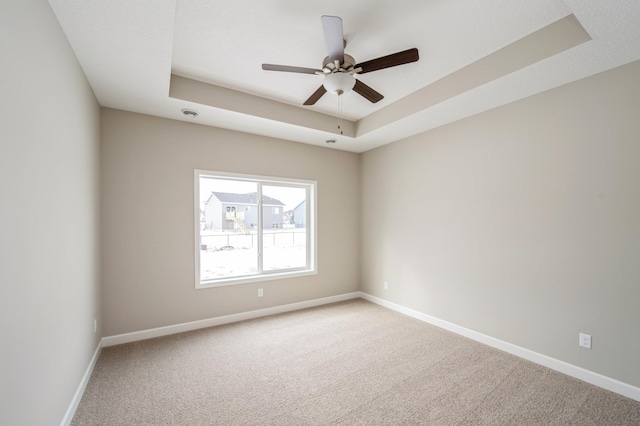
(339,83)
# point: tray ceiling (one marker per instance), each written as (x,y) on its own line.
(159,57)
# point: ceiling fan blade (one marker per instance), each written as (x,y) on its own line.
(333,37)
(389,61)
(367,92)
(286,68)
(316,95)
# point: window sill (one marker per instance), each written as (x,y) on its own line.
(253,279)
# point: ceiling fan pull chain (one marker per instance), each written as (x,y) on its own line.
(340,118)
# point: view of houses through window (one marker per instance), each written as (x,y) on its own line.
(250,227)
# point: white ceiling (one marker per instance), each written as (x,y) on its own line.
(130,49)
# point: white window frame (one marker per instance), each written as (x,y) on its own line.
(312,253)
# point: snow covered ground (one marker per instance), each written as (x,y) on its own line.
(232,254)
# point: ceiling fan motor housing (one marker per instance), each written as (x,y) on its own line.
(347,65)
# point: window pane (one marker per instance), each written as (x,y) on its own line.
(238,242)
(285,233)
(228,240)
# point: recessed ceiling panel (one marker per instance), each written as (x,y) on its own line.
(130,49)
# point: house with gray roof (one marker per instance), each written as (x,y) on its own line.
(229,211)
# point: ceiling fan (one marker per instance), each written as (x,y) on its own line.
(339,68)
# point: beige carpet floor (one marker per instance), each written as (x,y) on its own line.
(350,363)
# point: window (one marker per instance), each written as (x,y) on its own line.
(245,228)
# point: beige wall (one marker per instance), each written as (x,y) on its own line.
(49,293)
(148,213)
(522,223)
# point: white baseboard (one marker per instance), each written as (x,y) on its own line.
(588,376)
(75,401)
(227,319)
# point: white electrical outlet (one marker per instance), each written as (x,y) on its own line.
(585,340)
(386,285)
(260,292)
